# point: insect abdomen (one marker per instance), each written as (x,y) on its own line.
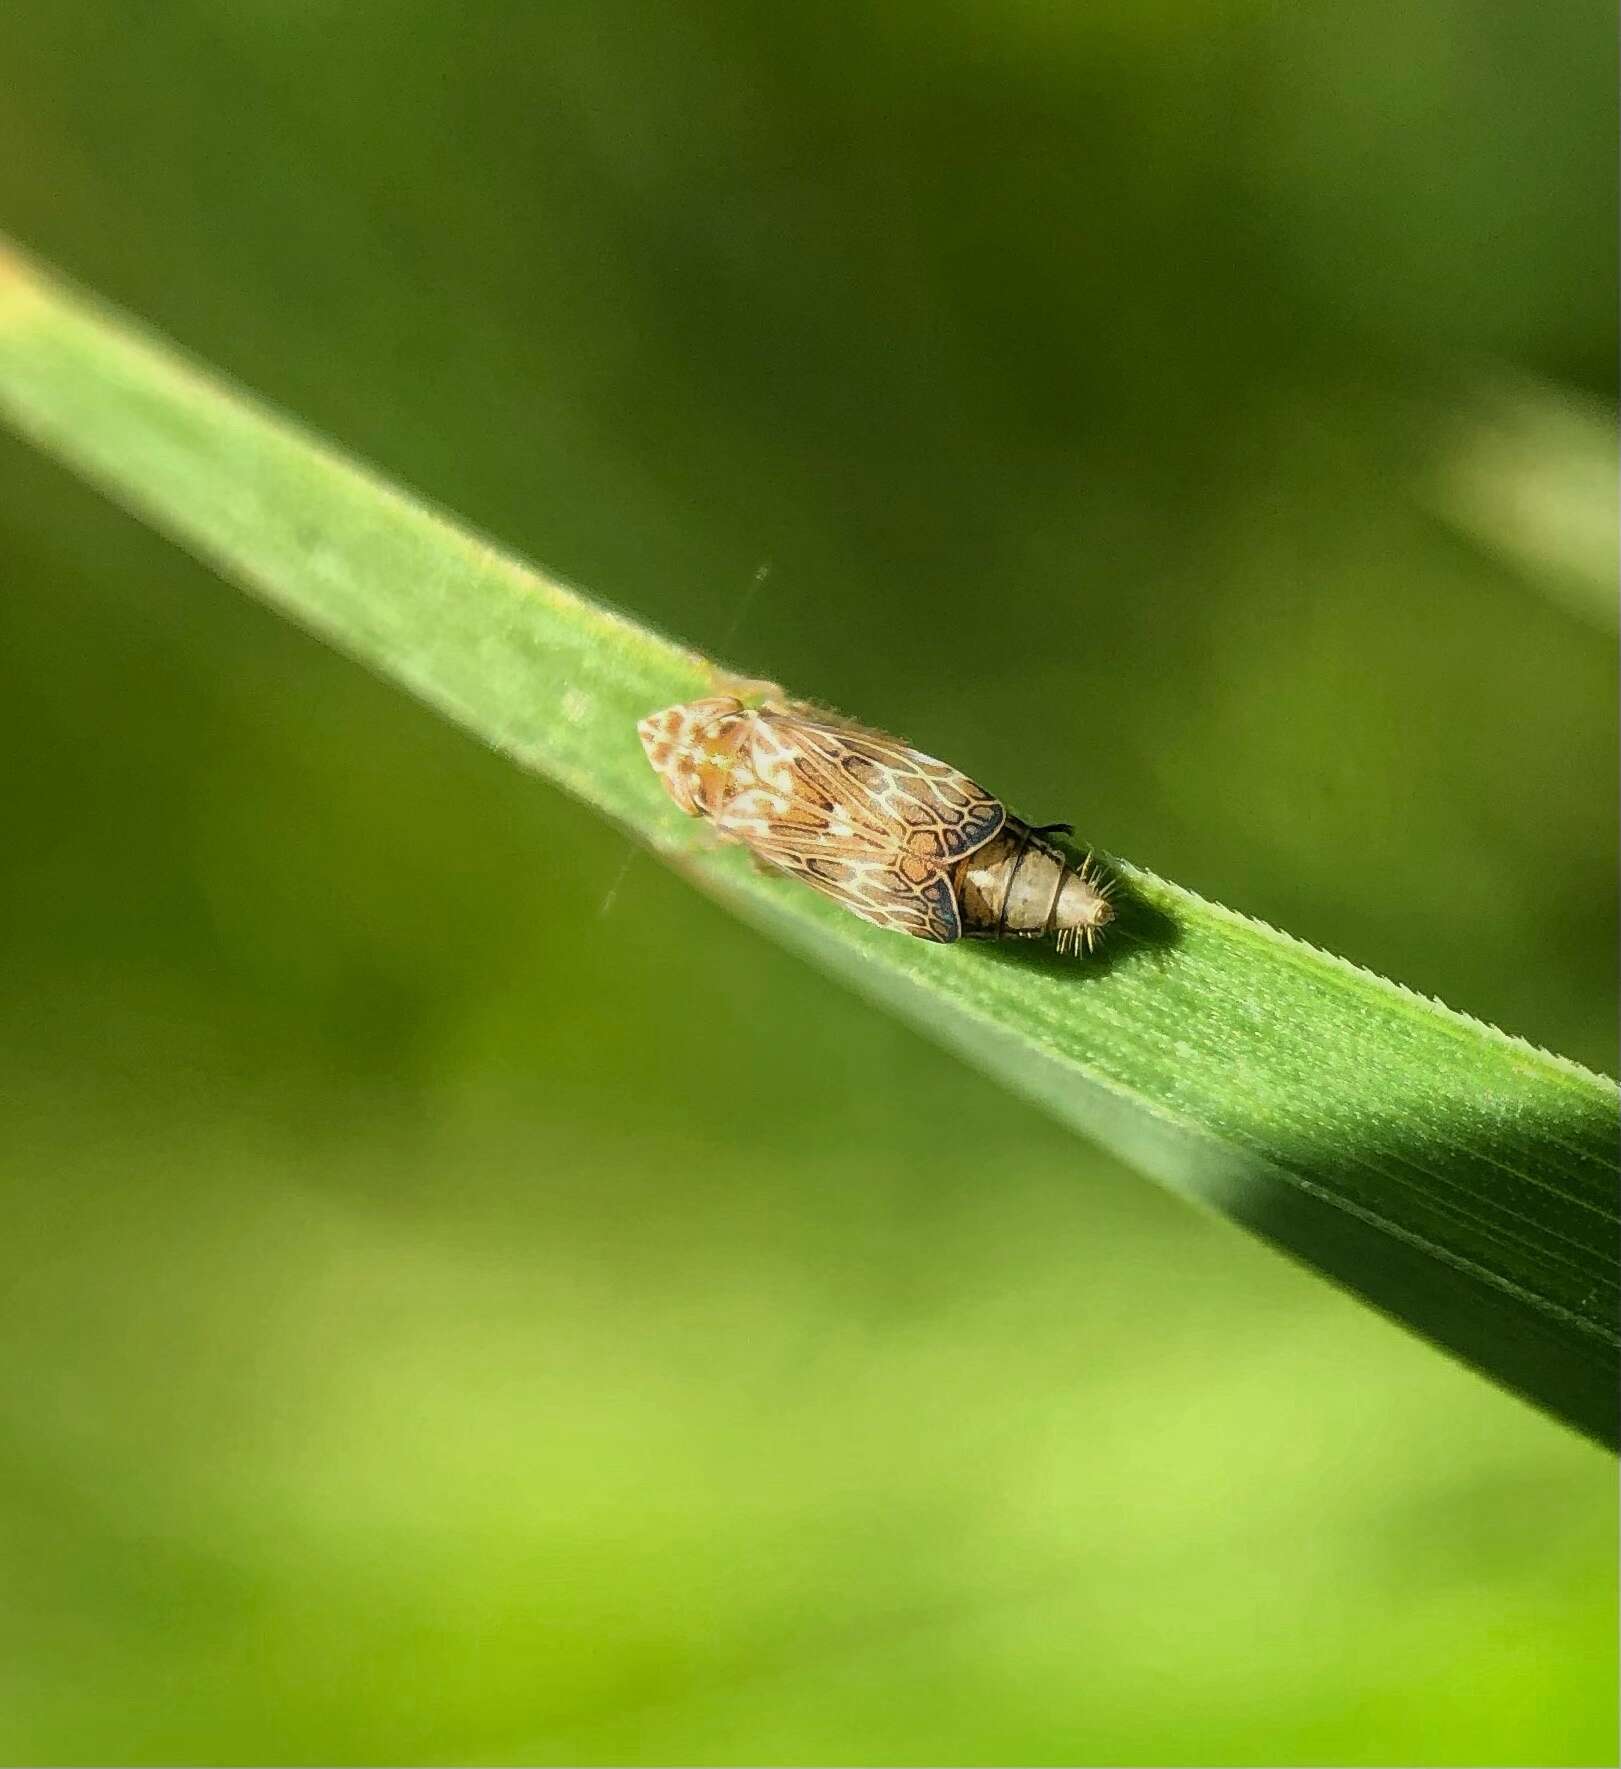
(1019,886)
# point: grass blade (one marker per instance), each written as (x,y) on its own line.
(1455,1177)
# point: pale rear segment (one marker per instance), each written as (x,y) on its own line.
(893,835)
(1020,887)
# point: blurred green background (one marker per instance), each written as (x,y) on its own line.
(433,1325)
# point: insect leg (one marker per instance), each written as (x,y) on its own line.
(1027,835)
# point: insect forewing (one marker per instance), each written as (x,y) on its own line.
(860,817)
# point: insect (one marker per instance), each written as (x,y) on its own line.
(896,837)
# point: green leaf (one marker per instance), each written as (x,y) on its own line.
(1454,1176)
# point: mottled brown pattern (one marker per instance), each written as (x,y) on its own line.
(895,836)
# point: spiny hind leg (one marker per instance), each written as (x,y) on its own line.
(815,713)
(710,840)
(753,691)
(763,867)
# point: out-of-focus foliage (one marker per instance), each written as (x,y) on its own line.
(439,1320)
